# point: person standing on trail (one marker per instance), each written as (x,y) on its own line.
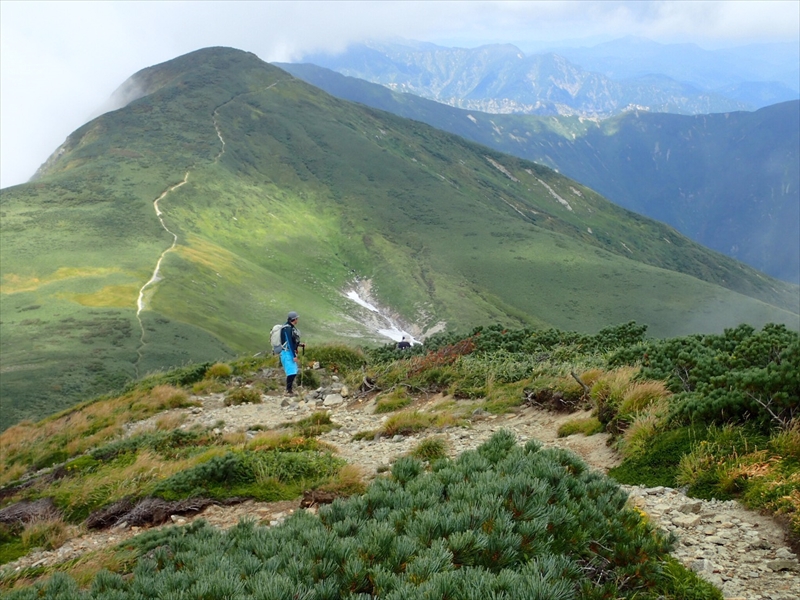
(290,342)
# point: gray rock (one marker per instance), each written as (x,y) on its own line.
(333,400)
(691,507)
(686,520)
(783,565)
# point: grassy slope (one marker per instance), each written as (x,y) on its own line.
(309,193)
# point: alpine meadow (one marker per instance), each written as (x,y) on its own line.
(180,227)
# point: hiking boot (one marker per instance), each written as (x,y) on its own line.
(289,393)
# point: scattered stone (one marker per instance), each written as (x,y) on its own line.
(333,400)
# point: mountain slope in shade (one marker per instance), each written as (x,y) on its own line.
(182,226)
(730,181)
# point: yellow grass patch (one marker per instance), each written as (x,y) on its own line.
(120,296)
(82,444)
(211,256)
(13,283)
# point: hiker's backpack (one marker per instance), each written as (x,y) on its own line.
(275,338)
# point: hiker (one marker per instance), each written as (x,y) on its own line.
(290,341)
(404,343)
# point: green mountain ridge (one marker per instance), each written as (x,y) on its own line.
(256,193)
(730,181)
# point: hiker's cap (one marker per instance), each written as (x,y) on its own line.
(292,316)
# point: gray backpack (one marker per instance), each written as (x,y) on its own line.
(275,338)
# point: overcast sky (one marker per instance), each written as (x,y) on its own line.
(60,61)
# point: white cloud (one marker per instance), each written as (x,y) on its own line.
(60,61)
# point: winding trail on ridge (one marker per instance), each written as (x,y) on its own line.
(140,302)
(156,277)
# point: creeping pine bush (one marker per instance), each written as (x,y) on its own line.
(503,522)
(742,375)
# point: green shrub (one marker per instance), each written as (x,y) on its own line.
(587,426)
(406,423)
(263,475)
(242,395)
(679,582)
(336,358)
(658,466)
(81,464)
(316,424)
(430,449)
(395,400)
(308,378)
(714,466)
(219,371)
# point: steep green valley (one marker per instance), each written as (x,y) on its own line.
(726,180)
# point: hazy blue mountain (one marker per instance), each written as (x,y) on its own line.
(772,66)
(501,79)
(729,181)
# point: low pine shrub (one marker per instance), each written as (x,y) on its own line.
(502,521)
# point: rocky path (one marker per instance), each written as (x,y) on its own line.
(742,553)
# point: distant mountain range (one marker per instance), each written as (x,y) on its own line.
(601,81)
(730,181)
(182,226)
(756,74)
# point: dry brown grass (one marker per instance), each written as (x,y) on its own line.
(47,534)
(219,371)
(234,438)
(641,394)
(160,398)
(408,422)
(80,445)
(611,386)
(170,420)
(82,427)
(349,481)
(591,376)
